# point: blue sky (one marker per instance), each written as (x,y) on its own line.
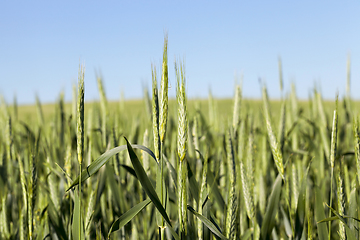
(43,42)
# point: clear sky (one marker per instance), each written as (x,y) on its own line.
(43,42)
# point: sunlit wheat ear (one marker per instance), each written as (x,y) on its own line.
(332,156)
(77,219)
(103,108)
(203,194)
(230,228)
(164,94)
(80,116)
(294,188)
(247,177)
(236,110)
(195,134)
(39,111)
(90,210)
(348,76)
(357,146)
(181,148)
(340,198)
(281,130)
(280,74)
(155,113)
(182,113)
(275,146)
(334,138)
(25,200)
(32,194)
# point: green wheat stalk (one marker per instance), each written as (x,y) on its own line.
(80,137)
(181,149)
(332,157)
(275,146)
(164,94)
(340,198)
(104,109)
(230,228)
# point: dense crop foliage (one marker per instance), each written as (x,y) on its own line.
(162,169)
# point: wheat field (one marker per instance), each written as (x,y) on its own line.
(161,168)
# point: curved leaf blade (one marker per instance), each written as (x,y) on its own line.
(146,184)
(100,161)
(350,233)
(207,223)
(127,216)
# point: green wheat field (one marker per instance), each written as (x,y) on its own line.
(161,168)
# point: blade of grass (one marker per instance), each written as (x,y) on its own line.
(350,234)
(77,226)
(207,223)
(127,216)
(271,209)
(322,229)
(103,159)
(147,185)
(353,211)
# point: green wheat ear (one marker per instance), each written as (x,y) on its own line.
(163,114)
(275,146)
(80,116)
(231,211)
(357,146)
(155,113)
(340,197)
(181,148)
(77,227)
(237,105)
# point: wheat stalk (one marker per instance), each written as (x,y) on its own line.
(275,146)
(230,228)
(181,149)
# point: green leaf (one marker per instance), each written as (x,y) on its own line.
(214,190)
(172,170)
(56,220)
(77,228)
(207,223)
(322,229)
(147,185)
(353,211)
(247,234)
(114,187)
(287,224)
(193,185)
(100,161)
(271,209)
(337,218)
(126,217)
(328,219)
(350,234)
(300,210)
